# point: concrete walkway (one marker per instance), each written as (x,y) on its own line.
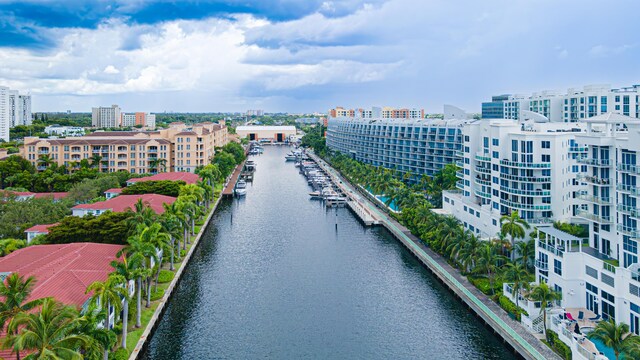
(525,343)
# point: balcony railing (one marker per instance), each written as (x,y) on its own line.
(541,179)
(594,162)
(483,158)
(633,189)
(550,248)
(482,194)
(594,180)
(459,153)
(628,230)
(628,209)
(542,265)
(577,149)
(595,199)
(525,165)
(593,217)
(460,185)
(43,152)
(480,181)
(525,192)
(460,174)
(519,206)
(483,170)
(634,169)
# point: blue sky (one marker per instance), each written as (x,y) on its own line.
(308,55)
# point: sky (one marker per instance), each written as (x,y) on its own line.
(310,55)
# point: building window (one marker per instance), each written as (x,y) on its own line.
(557,267)
(495,142)
(546,144)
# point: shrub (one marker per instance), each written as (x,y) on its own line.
(162,187)
(157,295)
(510,307)
(120,354)
(556,344)
(484,285)
(165,276)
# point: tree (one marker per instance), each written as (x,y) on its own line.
(515,227)
(162,187)
(488,262)
(100,338)
(526,253)
(618,338)
(50,333)
(7,246)
(519,277)
(17,216)
(172,226)
(236,150)
(15,291)
(142,214)
(107,228)
(546,297)
(108,294)
(95,160)
(225,162)
(128,268)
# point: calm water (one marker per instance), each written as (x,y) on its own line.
(274,279)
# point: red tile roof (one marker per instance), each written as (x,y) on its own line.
(123,202)
(189,178)
(41,228)
(114,191)
(62,271)
(54,195)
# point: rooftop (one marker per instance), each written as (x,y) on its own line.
(189,178)
(40,228)
(266,128)
(124,202)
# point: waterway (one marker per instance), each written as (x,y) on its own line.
(274,278)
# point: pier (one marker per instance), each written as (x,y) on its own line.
(230,185)
(511,331)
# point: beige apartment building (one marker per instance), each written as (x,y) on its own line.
(180,147)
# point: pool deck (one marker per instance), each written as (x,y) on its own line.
(512,332)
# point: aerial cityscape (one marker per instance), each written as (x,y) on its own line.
(381,179)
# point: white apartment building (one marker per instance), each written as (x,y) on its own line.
(128,120)
(508,165)
(572,105)
(601,274)
(106,117)
(15,109)
(58,130)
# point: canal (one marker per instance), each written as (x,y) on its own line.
(274,278)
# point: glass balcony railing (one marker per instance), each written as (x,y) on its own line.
(459,153)
(628,230)
(525,165)
(460,174)
(630,210)
(482,194)
(634,169)
(519,206)
(541,179)
(483,158)
(483,170)
(593,217)
(525,192)
(594,180)
(632,189)
(577,149)
(594,162)
(542,265)
(481,181)
(595,199)
(460,185)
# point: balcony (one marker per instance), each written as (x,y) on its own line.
(629,210)
(43,151)
(482,158)
(459,153)
(460,184)
(482,194)
(459,163)
(629,168)
(628,230)
(595,199)
(483,170)
(594,180)
(632,189)
(525,165)
(152,150)
(525,192)
(594,162)
(41,167)
(577,149)
(480,181)
(550,248)
(542,265)
(593,217)
(541,179)
(519,206)
(460,174)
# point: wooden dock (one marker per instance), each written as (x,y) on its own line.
(230,185)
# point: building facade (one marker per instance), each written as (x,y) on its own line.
(506,165)
(181,147)
(418,146)
(570,106)
(139,119)
(376,112)
(601,273)
(266,133)
(57,130)
(106,117)
(15,109)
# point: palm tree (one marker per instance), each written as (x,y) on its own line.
(50,333)
(108,294)
(207,191)
(526,253)
(45,160)
(518,275)
(514,226)
(488,262)
(15,291)
(173,221)
(142,214)
(469,252)
(95,160)
(100,338)
(128,269)
(139,243)
(546,296)
(7,246)
(618,338)
(160,239)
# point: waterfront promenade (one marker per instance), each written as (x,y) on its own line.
(525,343)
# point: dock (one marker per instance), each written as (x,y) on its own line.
(524,343)
(230,185)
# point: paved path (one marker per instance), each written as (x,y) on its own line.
(525,343)
(228,189)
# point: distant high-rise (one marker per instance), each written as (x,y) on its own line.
(15,109)
(106,117)
(376,112)
(495,108)
(255,112)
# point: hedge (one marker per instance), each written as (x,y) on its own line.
(510,307)
(556,344)
(484,285)
(157,295)
(165,276)
(120,354)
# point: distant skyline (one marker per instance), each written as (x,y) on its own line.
(309,56)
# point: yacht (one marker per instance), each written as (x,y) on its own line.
(241,188)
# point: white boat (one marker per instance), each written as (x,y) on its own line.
(291,157)
(315,195)
(241,188)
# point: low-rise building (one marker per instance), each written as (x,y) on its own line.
(266,133)
(25,195)
(187,177)
(57,130)
(38,230)
(123,203)
(111,193)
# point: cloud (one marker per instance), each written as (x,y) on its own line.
(606,51)
(110,69)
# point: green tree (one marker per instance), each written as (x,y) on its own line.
(107,228)
(519,277)
(128,268)
(225,162)
(618,338)
(546,296)
(514,226)
(489,262)
(161,187)
(108,295)
(99,338)
(7,246)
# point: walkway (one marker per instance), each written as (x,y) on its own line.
(525,343)
(228,189)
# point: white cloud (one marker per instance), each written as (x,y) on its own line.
(606,51)
(110,69)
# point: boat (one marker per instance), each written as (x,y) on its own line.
(315,195)
(291,157)
(241,188)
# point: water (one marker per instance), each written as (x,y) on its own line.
(273,278)
(607,351)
